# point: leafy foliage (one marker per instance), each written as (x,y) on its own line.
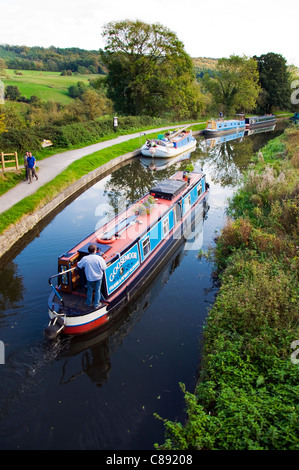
(234,86)
(2,124)
(149,71)
(274,80)
(51,59)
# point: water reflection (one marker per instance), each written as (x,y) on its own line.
(157,164)
(227,158)
(11,287)
(131,182)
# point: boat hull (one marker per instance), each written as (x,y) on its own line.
(79,324)
(216,133)
(253,123)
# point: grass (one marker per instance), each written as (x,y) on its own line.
(9,179)
(48,86)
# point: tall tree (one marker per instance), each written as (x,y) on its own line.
(148,67)
(234,85)
(275,82)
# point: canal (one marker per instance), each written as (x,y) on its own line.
(101,391)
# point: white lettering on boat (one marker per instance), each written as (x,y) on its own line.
(123,259)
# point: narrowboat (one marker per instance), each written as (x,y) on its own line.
(134,245)
(169,144)
(295,118)
(260,121)
(221,126)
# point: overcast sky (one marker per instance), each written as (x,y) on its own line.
(211,28)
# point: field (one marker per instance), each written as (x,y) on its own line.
(45,85)
(203,63)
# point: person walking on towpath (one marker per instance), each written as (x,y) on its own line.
(94,268)
(31,167)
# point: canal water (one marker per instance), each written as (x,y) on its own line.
(101,391)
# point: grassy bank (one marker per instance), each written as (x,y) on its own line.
(247,395)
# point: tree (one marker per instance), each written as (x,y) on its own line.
(12,93)
(274,81)
(148,68)
(76,91)
(89,106)
(234,85)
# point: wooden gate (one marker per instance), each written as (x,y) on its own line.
(4,161)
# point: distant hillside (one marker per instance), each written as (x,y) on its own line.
(204,62)
(52,59)
(204,65)
(55,59)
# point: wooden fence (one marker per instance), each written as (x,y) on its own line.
(4,161)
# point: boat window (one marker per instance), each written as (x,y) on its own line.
(187,203)
(146,246)
(199,189)
(177,213)
(165,226)
(64,277)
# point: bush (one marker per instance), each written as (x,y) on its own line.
(19,140)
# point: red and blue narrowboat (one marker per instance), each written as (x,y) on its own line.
(134,245)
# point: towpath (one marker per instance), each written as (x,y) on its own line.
(52,166)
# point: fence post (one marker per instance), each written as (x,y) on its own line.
(16,158)
(2,161)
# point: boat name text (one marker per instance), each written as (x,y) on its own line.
(123,259)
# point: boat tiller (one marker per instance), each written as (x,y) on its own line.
(54,327)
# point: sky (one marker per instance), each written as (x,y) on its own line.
(210,28)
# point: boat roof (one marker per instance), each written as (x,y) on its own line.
(259,117)
(133,222)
